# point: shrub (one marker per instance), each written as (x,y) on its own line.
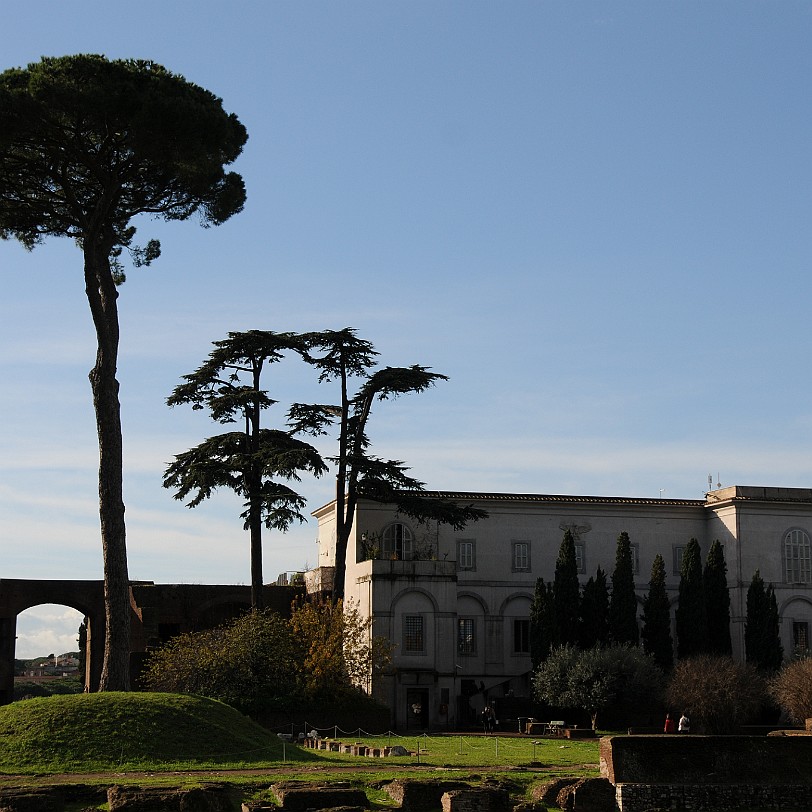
(791,688)
(247,660)
(263,661)
(716,692)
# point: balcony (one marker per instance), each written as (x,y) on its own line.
(319,580)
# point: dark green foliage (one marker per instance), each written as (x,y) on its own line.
(691,620)
(542,622)
(762,640)
(340,356)
(656,632)
(250,461)
(566,593)
(623,601)
(24,689)
(86,145)
(594,619)
(620,677)
(717,601)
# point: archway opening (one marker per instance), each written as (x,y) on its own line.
(49,656)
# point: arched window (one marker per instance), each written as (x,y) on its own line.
(398,542)
(797,557)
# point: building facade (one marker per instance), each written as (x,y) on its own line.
(456,604)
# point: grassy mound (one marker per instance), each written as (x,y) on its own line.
(132,731)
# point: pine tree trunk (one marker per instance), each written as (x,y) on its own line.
(102,297)
(255,527)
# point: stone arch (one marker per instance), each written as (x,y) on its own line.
(787,602)
(412,590)
(476,597)
(18,595)
(513,597)
(185,607)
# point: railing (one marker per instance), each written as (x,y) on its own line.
(414,567)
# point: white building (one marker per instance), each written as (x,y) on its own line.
(456,604)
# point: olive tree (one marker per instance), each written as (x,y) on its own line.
(87,145)
(620,677)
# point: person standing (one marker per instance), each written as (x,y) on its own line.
(669,726)
(684,724)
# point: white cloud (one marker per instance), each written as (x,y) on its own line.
(47,629)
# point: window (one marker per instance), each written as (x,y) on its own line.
(521,556)
(580,557)
(800,637)
(521,636)
(398,542)
(635,548)
(466,635)
(413,641)
(797,560)
(678,553)
(466,555)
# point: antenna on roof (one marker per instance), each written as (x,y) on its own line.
(718,483)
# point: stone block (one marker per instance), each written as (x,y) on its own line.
(476,799)
(301,797)
(416,795)
(211,798)
(587,795)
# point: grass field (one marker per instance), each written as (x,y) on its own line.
(126,732)
(482,751)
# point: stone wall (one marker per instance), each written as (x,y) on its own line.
(644,797)
(708,772)
(693,759)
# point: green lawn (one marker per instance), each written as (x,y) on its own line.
(481,751)
(126,732)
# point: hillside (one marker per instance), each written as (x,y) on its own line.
(126,731)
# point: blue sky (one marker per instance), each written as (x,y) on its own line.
(592,216)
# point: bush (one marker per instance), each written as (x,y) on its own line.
(791,688)
(717,693)
(261,661)
(25,689)
(250,660)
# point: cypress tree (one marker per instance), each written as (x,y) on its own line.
(717,601)
(542,622)
(623,602)
(774,651)
(594,625)
(566,593)
(692,622)
(656,632)
(762,641)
